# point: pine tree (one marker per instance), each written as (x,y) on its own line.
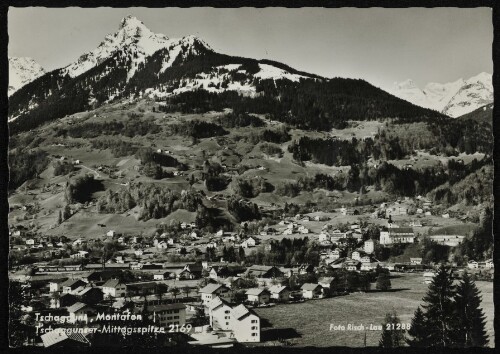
(392,335)
(418,330)
(470,319)
(59,217)
(439,309)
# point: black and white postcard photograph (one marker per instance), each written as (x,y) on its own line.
(246,178)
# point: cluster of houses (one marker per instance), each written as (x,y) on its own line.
(488,264)
(83,298)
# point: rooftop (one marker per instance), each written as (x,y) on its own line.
(210,288)
(241,311)
(256,291)
(59,335)
(276,289)
(111,283)
(76,307)
(310,286)
(164,307)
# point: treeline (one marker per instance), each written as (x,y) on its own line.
(232,120)
(271,149)
(386,177)
(63,168)
(305,183)
(152,163)
(155,201)
(462,136)
(147,155)
(214,181)
(275,136)
(80,190)
(242,210)
(479,244)
(129,128)
(25,165)
(198,129)
(251,187)
(118,147)
(473,189)
(337,152)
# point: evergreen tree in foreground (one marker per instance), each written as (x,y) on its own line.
(392,334)
(440,309)
(470,325)
(418,330)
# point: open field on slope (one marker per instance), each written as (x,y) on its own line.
(312,319)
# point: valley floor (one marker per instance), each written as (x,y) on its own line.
(308,323)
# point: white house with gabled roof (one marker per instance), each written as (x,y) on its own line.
(210,291)
(245,324)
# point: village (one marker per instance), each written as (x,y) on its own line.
(187,282)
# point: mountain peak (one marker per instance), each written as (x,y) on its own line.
(22,70)
(131,27)
(130,21)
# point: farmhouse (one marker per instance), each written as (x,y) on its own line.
(259,271)
(352,264)
(210,291)
(89,295)
(396,209)
(64,300)
(114,288)
(258,295)
(141,288)
(80,312)
(311,291)
(326,282)
(280,293)
(70,285)
(249,242)
(191,271)
(163,275)
(219,272)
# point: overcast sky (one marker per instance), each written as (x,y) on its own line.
(381,46)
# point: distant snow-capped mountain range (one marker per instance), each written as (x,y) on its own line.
(22,71)
(453,99)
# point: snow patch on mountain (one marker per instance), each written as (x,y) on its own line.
(453,99)
(272,72)
(215,81)
(22,71)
